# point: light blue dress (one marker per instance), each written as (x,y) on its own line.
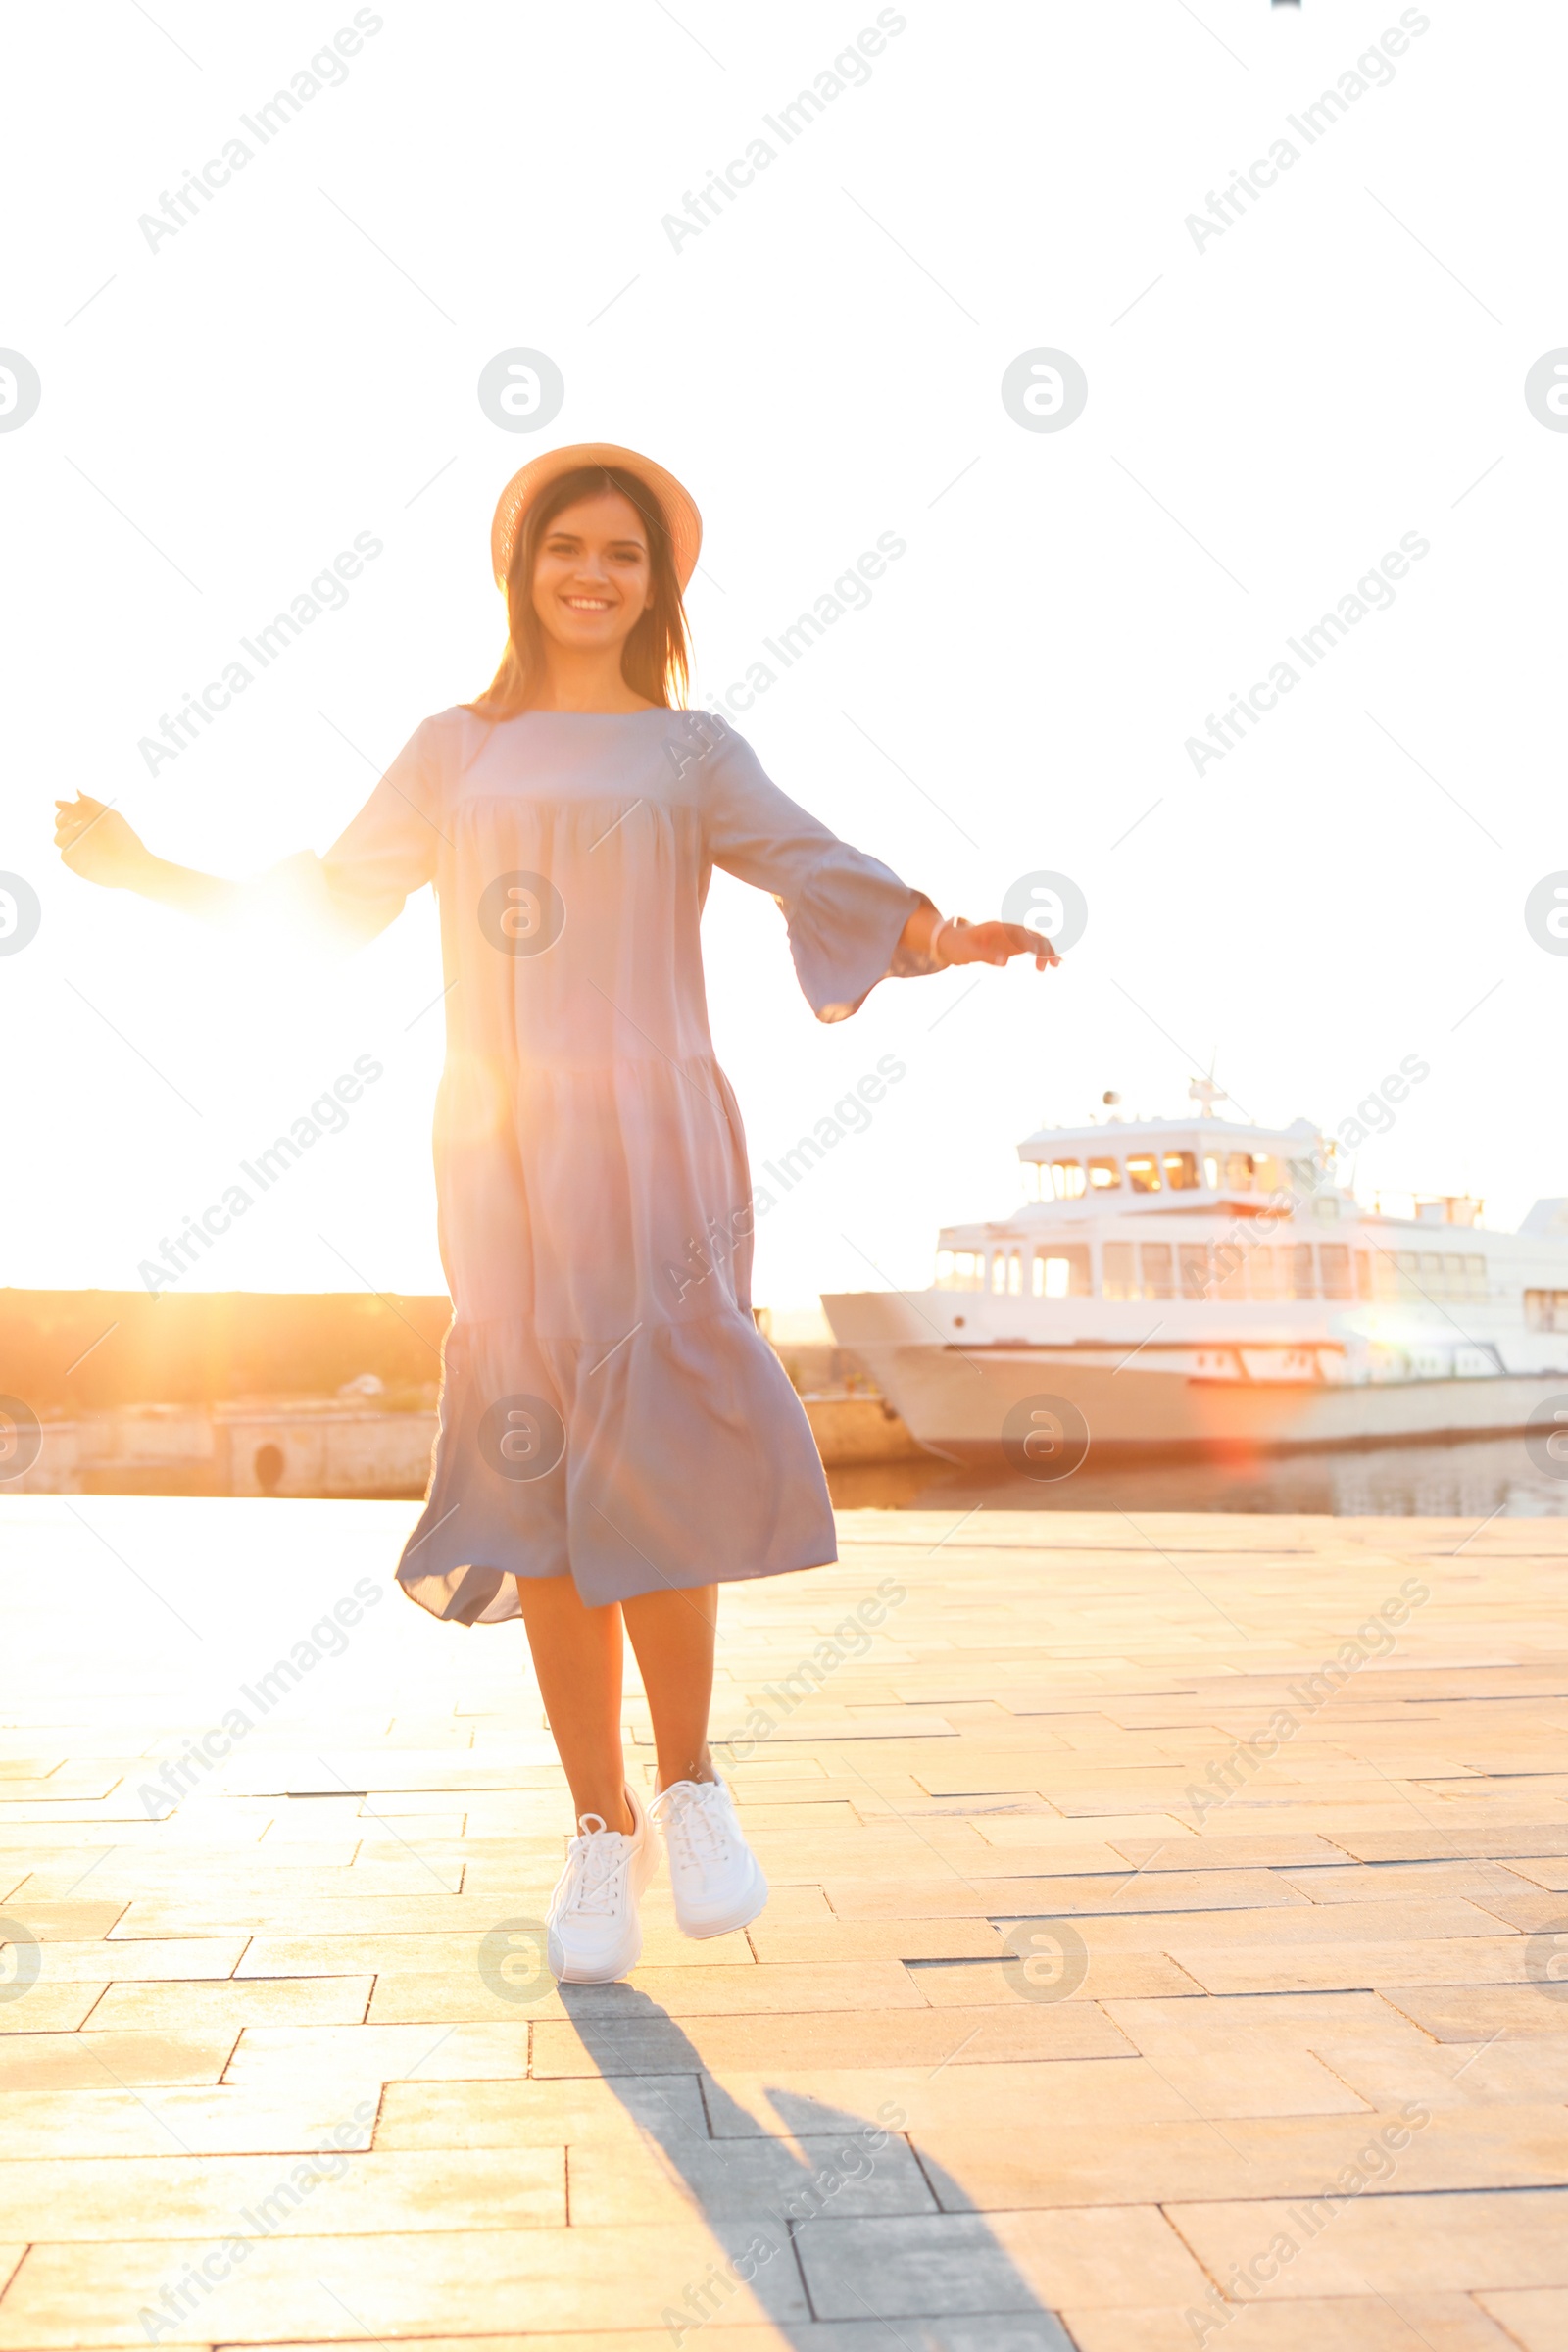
(608,1405)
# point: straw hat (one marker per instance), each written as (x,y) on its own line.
(679,507)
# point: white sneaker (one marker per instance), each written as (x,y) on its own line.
(715,1878)
(594,1933)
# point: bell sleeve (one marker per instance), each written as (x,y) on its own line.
(845,911)
(359,886)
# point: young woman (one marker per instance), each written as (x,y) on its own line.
(615,1439)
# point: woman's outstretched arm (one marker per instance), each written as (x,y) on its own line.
(98,844)
(941,940)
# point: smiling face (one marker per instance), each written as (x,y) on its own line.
(593,577)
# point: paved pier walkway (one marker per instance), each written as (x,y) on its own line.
(1168,1946)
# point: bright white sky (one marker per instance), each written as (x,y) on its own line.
(1266,417)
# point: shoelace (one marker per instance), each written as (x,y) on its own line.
(595,1859)
(696,1820)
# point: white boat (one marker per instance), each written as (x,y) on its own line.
(1212,1285)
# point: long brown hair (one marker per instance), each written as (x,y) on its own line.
(655,658)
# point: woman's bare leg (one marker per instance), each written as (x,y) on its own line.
(577,1655)
(672,1633)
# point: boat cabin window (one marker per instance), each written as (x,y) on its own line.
(1211,1172)
(1162,1270)
(1154,1267)
(1195,1269)
(1395,1274)
(1143,1171)
(1333,1269)
(1007,1272)
(1118,1277)
(1066,1180)
(1104,1175)
(1434,1277)
(1181,1171)
(1062,1271)
(961,1269)
(1546,1310)
(1239,1270)
(1296,1271)
(1251,1172)
(1230,1269)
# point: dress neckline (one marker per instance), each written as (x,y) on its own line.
(654,710)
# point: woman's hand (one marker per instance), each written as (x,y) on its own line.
(956,942)
(97,843)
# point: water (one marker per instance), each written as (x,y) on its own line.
(1471,1480)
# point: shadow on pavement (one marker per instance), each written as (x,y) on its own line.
(846,2238)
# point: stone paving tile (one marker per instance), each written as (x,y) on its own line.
(173,1957)
(50,2008)
(1398,2244)
(1357,1882)
(65,1922)
(1011,2097)
(1008,2034)
(419,1912)
(1549,1871)
(540,2113)
(1219,1849)
(831,1938)
(834,1988)
(288,1988)
(271,2058)
(1278,2020)
(255,2001)
(1306,1923)
(95,2061)
(1470,1960)
(1227,2064)
(348,2290)
(268,1877)
(1475,2012)
(1109,1893)
(1536,2318)
(1491,2147)
(451,1956)
(88,1783)
(895,2269)
(174,2115)
(614,2181)
(80,2200)
(1384,2071)
(928,1897)
(1346,2322)
(955,1985)
(461,1997)
(1528,1910)
(448,1956)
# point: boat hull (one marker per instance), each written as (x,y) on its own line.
(956,1402)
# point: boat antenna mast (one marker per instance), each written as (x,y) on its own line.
(1207,1092)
